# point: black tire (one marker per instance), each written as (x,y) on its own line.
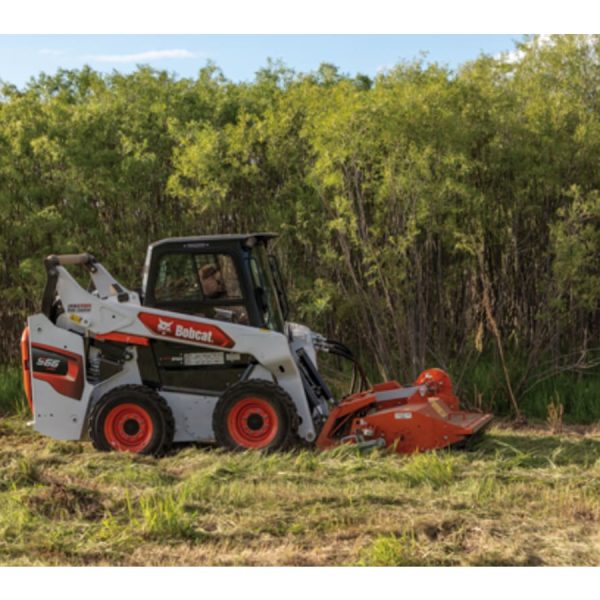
(132,418)
(242,412)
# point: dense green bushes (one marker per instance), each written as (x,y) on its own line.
(427,217)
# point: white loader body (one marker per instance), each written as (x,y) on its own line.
(100,315)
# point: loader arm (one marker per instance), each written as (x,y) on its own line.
(105,285)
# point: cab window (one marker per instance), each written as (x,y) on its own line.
(196,277)
(198,284)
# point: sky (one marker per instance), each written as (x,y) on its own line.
(238,56)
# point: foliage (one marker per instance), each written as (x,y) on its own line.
(428,217)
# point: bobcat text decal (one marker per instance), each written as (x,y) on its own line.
(183,329)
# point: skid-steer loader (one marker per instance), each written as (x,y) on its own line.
(203,353)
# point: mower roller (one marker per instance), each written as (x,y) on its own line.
(203,352)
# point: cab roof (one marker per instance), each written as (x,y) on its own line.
(247,239)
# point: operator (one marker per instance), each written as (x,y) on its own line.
(213,287)
(212,282)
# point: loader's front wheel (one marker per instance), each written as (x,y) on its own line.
(255,414)
(132,418)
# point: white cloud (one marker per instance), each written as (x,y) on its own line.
(51,52)
(143,56)
(543,39)
(384,69)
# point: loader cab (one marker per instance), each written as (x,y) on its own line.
(226,277)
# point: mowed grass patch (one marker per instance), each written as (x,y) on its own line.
(522,498)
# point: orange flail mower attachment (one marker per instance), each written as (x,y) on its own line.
(424,416)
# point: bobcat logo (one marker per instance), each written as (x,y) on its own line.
(192,332)
(164,327)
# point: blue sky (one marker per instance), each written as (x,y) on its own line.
(239,56)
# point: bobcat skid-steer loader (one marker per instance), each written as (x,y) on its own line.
(204,354)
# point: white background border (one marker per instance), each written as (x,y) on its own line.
(308,16)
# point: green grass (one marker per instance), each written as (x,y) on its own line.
(393,551)
(523,497)
(483,385)
(12,398)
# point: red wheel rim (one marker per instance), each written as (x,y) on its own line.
(128,427)
(252,422)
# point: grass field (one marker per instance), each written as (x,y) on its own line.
(523,498)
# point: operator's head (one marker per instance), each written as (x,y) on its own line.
(212,281)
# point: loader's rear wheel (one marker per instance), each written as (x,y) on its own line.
(255,414)
(132,418)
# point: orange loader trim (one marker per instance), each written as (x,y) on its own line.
(69,384)
(124,338)
(26,365)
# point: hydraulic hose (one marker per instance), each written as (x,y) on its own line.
(341,350)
